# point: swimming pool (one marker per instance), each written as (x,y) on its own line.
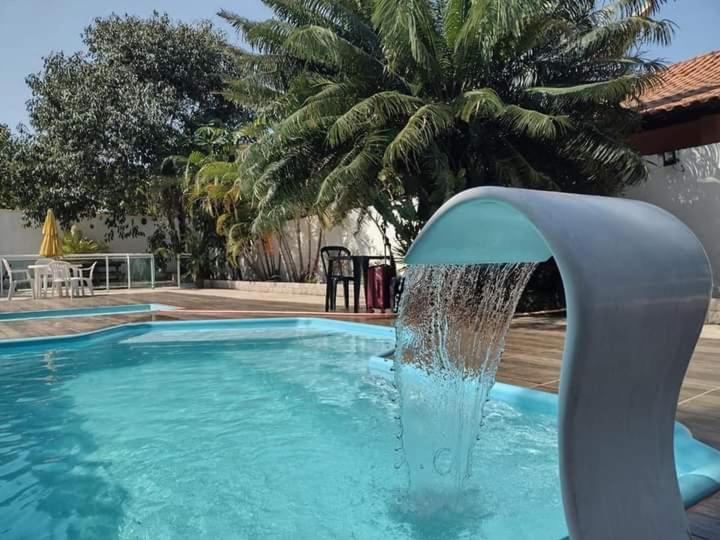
(82,312)
(253,429)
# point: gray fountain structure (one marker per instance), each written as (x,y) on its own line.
(637,285)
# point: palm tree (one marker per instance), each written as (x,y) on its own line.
(199,188)
(270,248)
(397,105)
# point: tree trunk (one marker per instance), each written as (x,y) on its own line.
(255,262)
(289,260)
(309,272)
(266,258)
(319,246)
(298,242)
(277,268)
(181,229)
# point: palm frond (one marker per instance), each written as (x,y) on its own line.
(618,37)
(535,124)
(265,36)
(408,33)
(320,110)
(250,92)
(603,155)
(483,102)
(343,18)
(420,132)
(217,171)
(356,168)
(613,91)
(613,11)
(378,109)
(454,15)
(489,21)
(323,46)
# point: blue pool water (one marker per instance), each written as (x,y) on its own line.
(252,430)
(83,312)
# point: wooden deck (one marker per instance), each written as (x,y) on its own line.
(532,357)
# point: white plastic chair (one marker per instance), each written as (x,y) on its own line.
(86,281)
(14,281)
(44,275)
(62,279)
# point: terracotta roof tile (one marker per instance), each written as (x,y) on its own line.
(684,85)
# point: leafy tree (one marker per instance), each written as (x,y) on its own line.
(105,118)
(399,104)
(18,159)
(7,152)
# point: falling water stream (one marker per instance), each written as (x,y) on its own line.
(450,338)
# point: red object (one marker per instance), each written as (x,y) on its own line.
(377,288)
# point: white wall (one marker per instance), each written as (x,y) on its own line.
(364,238)
(16,239)
(690,190)
(361,238)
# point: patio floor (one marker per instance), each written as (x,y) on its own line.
(532,356)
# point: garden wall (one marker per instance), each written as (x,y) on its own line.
(16,239)
(689,189)
(364,238)
(272,287)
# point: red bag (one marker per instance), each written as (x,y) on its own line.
(378,293)
(378,286)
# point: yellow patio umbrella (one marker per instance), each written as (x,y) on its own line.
(51,246)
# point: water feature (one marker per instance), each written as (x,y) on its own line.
(637,285)
(450,338)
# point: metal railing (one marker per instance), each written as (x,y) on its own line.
(117,270)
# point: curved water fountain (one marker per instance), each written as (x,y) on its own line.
(637,284)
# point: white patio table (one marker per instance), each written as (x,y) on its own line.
(38,270)
(41,270)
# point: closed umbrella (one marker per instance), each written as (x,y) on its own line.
(51,246)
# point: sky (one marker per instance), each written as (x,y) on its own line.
(30,29)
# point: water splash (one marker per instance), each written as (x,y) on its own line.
(450,338)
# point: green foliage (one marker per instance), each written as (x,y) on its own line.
(8,148)
(105,118)
(185,227)
(223,218)
(74,241)
(397,105)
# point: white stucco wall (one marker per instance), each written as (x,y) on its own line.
(690,190)
(361,238)
(364,238)
(16,239)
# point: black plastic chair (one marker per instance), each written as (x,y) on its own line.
(397,287)
(336,271)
